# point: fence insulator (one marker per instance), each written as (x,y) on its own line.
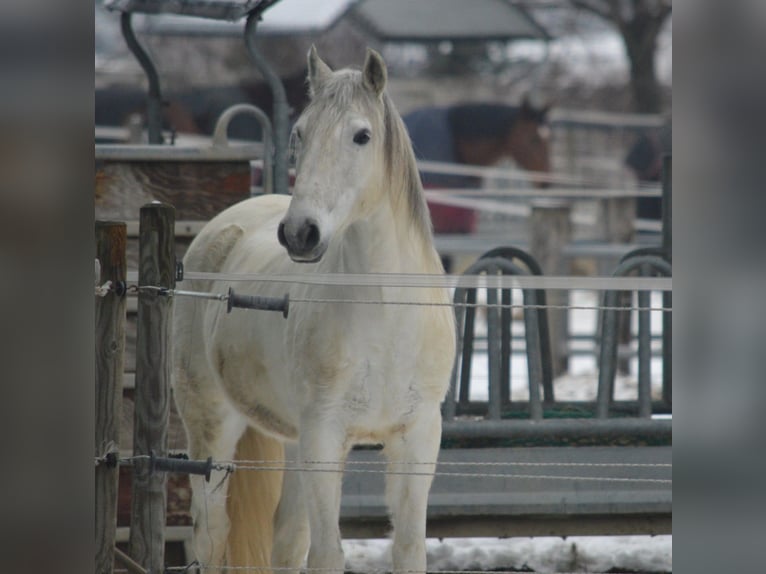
(257,302)
(202,467)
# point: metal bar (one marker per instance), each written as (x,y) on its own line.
(506,326)
(281,107)
(512,253)
(667,206)
(667,297)
(534,356)
(608,355)
(574,428)
(493,353)
(221,140)
(618,408)
(154,97)
(467,280)
(546,357)
(667,350)
(450,407)
(468,342)
(644,354)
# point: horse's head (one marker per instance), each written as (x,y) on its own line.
(338,141)
(528,140)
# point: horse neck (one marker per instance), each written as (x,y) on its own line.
(388,240)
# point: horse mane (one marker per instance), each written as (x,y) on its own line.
(482,120)
(401,163)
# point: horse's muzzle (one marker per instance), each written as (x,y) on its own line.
(301,239)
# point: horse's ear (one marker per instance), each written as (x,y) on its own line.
(535,106)
(374,72)
(318,70)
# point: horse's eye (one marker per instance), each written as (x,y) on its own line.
(362,137)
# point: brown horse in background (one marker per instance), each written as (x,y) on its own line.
(480,134)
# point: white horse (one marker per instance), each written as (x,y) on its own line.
(331,375)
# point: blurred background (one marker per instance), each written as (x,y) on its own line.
(601,70)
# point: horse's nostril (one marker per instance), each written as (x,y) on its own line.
(312,235)
(281,235)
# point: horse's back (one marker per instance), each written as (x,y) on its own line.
(213,244)
(248,227)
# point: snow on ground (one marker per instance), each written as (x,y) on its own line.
(575,554)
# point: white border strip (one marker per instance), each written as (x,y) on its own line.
(565,283)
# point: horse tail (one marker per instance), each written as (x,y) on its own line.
(253,498)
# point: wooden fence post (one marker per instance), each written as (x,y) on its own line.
(111,238)
(550,232)
(157,263)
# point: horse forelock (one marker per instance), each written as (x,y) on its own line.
(336,95)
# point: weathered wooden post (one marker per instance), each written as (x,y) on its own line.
(111,238)
(550,232)
(157,264)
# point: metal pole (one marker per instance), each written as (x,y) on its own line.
(534,354)
(111,238)
(157,263)
(607,356)
(667,207)
(281,107)
(495,395)
(644,351)
(468,344)
(667,297)
(154,99)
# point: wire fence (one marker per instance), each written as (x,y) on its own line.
(224,297)
(341,467)
(438,281)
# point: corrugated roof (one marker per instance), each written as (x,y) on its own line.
(437,20)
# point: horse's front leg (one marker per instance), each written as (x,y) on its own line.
(291,526)
(322,450)
(407,493)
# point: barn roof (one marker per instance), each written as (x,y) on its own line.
(387,20)
(437,20)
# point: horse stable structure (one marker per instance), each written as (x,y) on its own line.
(508,467)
